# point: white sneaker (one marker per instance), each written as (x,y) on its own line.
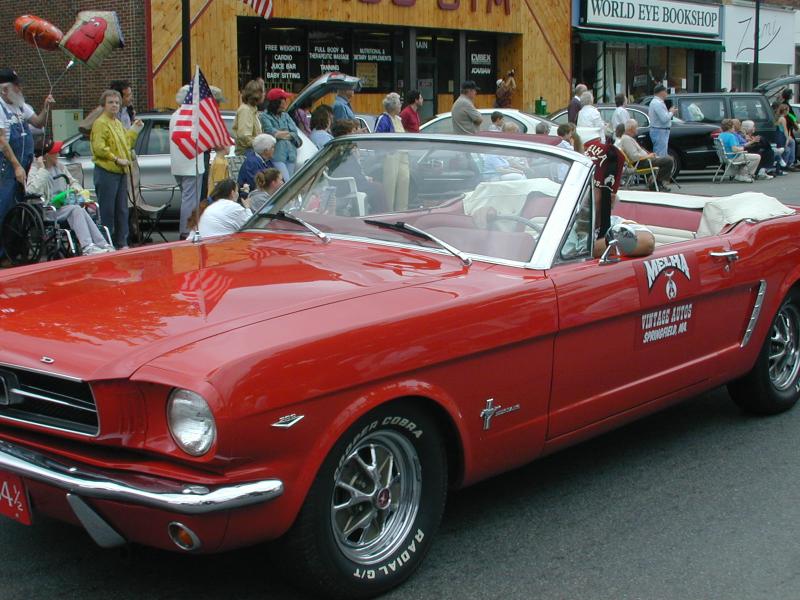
(762,174)
(92,249)
(743,179)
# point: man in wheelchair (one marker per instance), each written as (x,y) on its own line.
(50,179)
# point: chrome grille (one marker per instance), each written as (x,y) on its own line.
(47,400)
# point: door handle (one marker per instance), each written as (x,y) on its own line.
(729,255)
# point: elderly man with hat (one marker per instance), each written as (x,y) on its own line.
(16,141)
(660,121)
(465,117)
(276,122)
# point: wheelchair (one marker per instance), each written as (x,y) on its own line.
(28,235)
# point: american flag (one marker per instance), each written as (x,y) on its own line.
(199,125)
(262,7)
(205,288)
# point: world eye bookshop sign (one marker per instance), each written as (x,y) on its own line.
(652,15)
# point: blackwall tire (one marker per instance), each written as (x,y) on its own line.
(356,536)
(676,157)
(773,385)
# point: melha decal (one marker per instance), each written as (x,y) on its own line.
(656,266)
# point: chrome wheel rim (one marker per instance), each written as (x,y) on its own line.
(376,496)
(784,348)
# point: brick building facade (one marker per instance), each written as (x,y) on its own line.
(81,86)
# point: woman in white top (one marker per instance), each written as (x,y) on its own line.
(589,116)
(223,213)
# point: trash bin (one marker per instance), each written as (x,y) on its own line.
(541,106)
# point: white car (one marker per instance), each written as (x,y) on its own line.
(443,123)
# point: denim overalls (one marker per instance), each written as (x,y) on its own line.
(20,139)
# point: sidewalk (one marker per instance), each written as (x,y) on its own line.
(786,188)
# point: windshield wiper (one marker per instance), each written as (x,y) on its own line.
(416,232)
(284,216)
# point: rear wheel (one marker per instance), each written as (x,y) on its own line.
(773,385)
(22,234)
(372,512)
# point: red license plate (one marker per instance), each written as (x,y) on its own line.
(14,498)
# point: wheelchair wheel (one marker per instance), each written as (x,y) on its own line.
(22,234)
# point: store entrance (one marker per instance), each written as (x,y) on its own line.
(426,84)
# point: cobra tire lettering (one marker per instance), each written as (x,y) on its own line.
(403,423)
(367,429)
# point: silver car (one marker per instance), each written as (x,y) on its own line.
(152,149)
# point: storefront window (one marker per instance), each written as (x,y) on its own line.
(638,75)
(285,58)
(657,63)
(445,51)
(482,62)
(678,77)
(328,51)
(372,60)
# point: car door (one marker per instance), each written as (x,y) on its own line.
(640,329)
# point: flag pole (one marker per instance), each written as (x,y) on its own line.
(195,136)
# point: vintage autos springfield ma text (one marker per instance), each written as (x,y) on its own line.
(405,311)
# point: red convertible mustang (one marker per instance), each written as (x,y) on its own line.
(409,315)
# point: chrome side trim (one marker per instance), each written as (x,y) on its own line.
(101,532)
(153,492)
(751,325)
(52,400)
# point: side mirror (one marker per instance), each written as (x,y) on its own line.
(621,240)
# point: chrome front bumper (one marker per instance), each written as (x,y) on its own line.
(154,492)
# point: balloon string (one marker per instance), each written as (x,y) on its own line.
(44,66)
(50,83)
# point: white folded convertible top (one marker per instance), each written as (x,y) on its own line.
(717,211)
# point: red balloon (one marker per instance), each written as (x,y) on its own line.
(38,32)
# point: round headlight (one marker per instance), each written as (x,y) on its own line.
(190,422)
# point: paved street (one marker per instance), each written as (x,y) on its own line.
(696,502)
(785,189)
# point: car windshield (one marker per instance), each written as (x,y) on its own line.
(480,198)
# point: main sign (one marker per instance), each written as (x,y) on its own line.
(653,15)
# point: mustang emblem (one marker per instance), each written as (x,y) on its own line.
(491,411)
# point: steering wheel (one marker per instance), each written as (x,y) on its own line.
(537,227)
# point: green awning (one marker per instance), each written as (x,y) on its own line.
(635,38)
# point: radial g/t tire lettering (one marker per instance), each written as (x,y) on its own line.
(372,512)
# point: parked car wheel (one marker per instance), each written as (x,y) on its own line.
(373,510)
(773,385)
(676,157)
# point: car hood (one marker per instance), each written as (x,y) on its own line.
(105,316)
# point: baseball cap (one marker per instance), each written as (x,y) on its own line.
(499,81)
(53,148)
(277,94)
(470,85)
(9,76)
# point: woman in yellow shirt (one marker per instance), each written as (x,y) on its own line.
(112,147)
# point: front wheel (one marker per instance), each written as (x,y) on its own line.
(372,512)
(773,385)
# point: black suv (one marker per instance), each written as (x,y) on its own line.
(712,107)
